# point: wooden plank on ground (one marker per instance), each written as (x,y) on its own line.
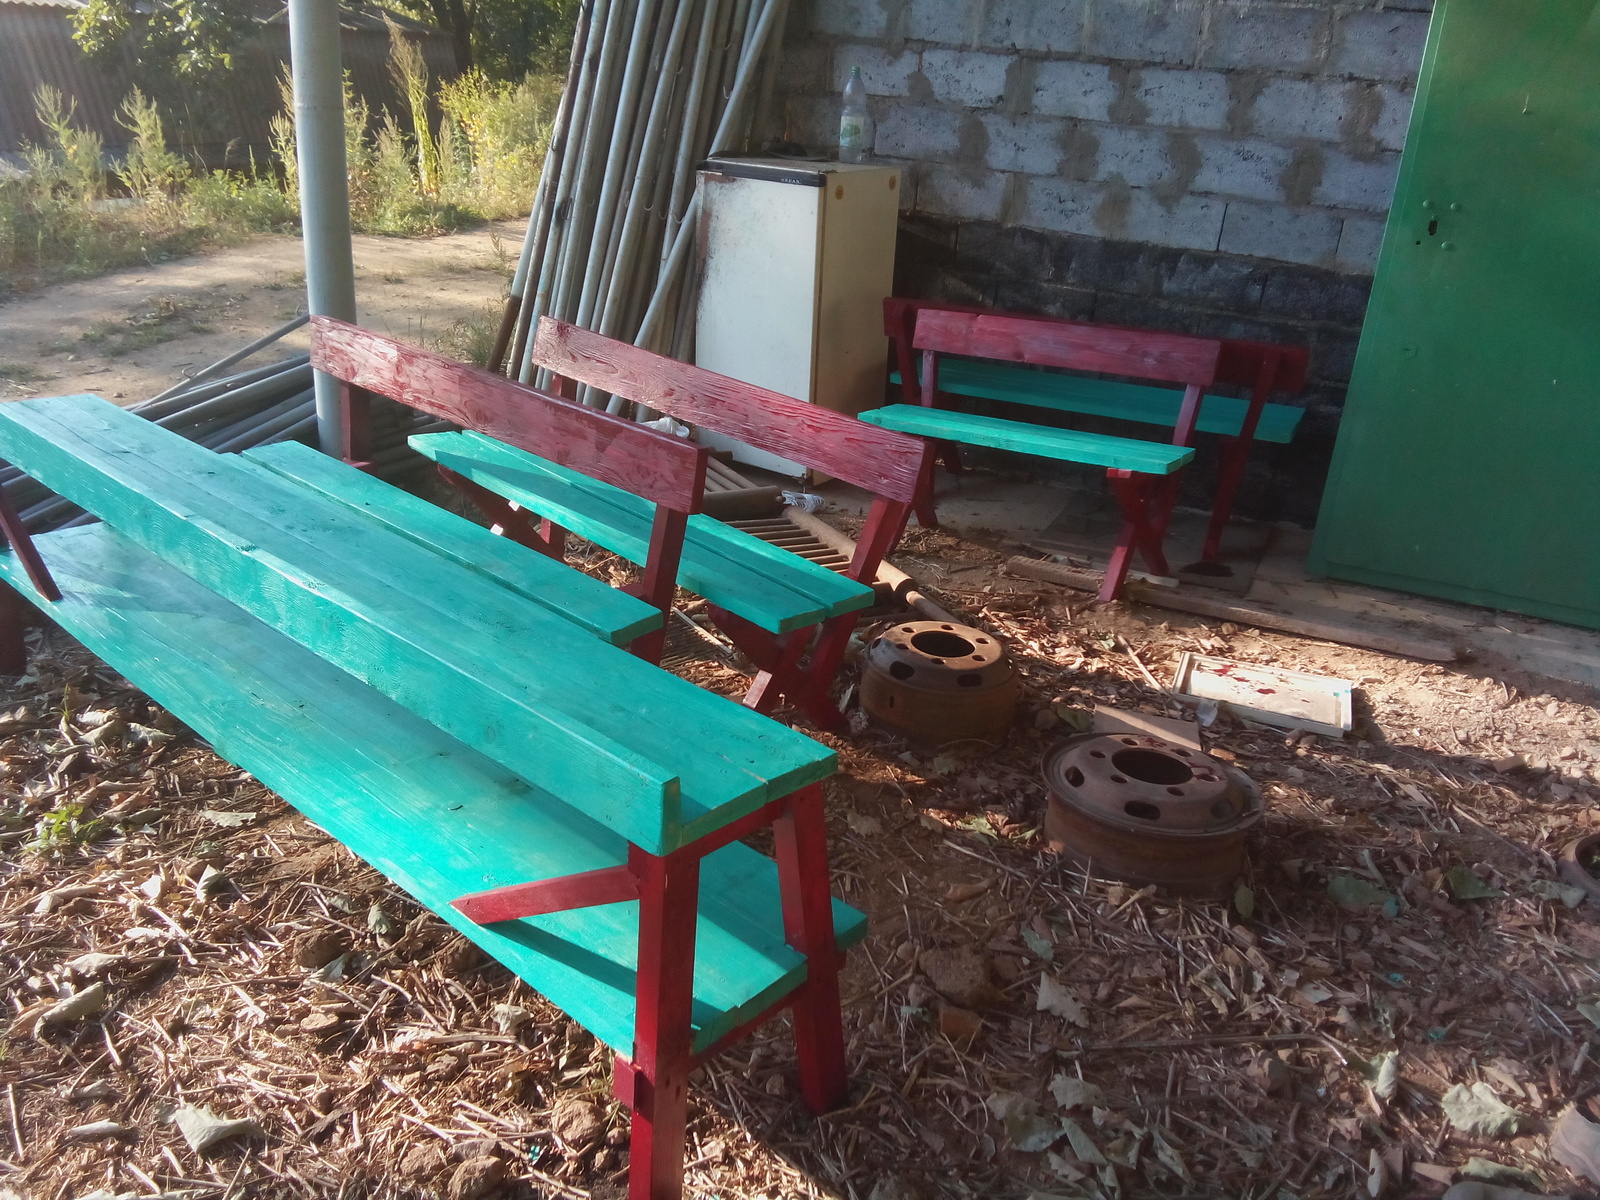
(603,610)
(1067,445)
(1202,603)
(583,719)
(430,813)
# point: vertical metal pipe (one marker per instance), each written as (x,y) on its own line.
(537,301)
(537,241)
(567,285)
(633,221)
(616,167)
(679,253)
(324,188)
(694,122)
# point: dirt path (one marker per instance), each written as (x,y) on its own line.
(128,335)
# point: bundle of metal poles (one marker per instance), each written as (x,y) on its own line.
(230,413)
(653,88)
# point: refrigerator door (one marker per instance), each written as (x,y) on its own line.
(758,293)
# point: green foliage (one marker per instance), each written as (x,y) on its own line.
(188,38)
(495,134)
(55,219)
(62,828)
(411,77)
(70,165)
(404,179)
(510,38)
(150,172)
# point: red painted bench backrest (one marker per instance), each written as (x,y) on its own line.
(656,466)
(1169,357)
(881,461)
(1242,361)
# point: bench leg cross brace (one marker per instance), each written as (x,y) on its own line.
(654,1081)
(1146,502)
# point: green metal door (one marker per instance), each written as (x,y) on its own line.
(1468,460)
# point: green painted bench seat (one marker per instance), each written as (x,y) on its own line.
(1068,445)
(432,814)
(603,610)
(526,688)
(767,586)
(1108,398)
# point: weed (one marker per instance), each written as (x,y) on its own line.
(21,373)
(404,179)
(469,339)
(160,320)
(62,828)
(150,172)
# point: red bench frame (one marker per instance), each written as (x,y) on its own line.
(1146,500)
(653,1082)
(887,464)
(669,471)
(1263,367)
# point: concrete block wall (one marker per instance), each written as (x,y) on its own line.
(1206,166)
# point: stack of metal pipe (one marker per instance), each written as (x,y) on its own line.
(230,413)
(653,88)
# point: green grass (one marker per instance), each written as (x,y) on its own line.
(159,320)
(12,372)
(483,164)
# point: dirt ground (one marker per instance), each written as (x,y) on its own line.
(131,334)
(173,936)
(1015,1028)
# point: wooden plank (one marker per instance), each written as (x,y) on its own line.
(874,459)
(431,814)
(1222,415)
(1208,604)
(509,678)
(1142,354)
(766,585)
(587,602)
(1128,454)
(654,465)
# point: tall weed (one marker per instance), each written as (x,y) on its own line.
(151,172)
(405,178)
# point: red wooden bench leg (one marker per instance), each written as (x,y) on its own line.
(950,455)
(779,673)
(657,1078)
(777,676)
(13,647)
(1235,453)
(801,841)
(923,507)
(508,520)
(1146,504)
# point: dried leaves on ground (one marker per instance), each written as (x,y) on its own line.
(208,997)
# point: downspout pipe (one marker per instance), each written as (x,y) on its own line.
(324,186)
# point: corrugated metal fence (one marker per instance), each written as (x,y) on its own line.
(36,47)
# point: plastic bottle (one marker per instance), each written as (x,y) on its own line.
(855,122)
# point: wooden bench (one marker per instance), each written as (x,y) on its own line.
(453,708)
(1265,368)
(1142,475)
(769,602)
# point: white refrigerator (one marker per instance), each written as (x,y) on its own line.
(795,259)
